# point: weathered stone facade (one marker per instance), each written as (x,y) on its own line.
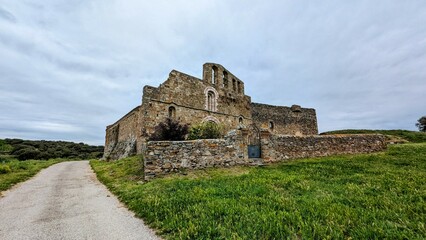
(257,133)
(121,137)
(167,156)
(292,120)
(218,97)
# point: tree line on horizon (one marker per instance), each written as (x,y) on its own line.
(43,150)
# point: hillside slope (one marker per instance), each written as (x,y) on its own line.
(410,136)
(368,196)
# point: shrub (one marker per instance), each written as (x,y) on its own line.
(5,169)
(205,130)
(4,147)
(44,155)
(170,129)
(27,153)
(95,155)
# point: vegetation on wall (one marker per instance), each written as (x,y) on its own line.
(43,150)
(172,130)
(369,196)
(205,130)
(410,136)
(169,130)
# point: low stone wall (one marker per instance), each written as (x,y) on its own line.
(278,148)
(164,157)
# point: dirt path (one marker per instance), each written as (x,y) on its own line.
(66,201)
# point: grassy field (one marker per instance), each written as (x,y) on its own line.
(13,171)
(371,196)
(410,136)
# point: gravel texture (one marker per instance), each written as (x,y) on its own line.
(66,201)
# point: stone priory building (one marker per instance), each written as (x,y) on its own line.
(218,97)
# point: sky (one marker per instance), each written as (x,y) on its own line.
(69,68)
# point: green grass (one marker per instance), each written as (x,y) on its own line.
(411,136)
(372,196)
(13,171)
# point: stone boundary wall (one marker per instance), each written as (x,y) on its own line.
(278,148)
(164,157)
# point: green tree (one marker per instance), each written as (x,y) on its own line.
(421,124)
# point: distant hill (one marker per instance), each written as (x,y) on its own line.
(410,136)
(42,150)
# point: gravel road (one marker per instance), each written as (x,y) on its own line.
(66,201)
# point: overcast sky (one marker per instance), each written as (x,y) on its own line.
(68,68)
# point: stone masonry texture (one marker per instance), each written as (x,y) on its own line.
(219,97)
(280,132)
(165,157)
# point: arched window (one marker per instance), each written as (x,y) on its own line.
(271,125)
(172,112)
(240,120)
(211,101)
(214,73)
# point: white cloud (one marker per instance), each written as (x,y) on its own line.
(83,63)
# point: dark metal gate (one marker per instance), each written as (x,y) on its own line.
(254,149)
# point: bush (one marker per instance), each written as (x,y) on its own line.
(206,130)
(95,155)
(5,169)
(171,130)
(6,158)
(4,147)
(27,153)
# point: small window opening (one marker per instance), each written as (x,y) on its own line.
(234,85)
(172,112)
(210,101)
(240,120)
(225,79)
(271,125)
(214,73)
(239,87)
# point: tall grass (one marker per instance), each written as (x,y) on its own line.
(371,196)
(13,171)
